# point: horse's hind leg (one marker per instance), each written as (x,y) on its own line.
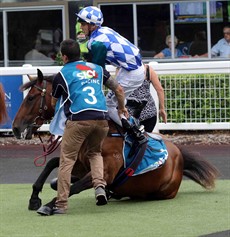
(171,175)
(81,185)
(169,190)
(35,202)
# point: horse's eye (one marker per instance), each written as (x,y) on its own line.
(30,98)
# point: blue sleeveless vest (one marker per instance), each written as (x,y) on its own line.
(84,82)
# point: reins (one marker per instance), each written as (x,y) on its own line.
(54,144)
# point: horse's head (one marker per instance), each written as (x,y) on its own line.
(36,107)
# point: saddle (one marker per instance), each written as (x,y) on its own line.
(145,157)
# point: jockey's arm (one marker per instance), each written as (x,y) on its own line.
(98,52)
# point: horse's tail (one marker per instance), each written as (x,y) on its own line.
(198,169)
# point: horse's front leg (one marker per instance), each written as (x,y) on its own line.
(77,187)
(35,202)
(47,209)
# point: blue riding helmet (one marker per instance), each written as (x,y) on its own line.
(91,15)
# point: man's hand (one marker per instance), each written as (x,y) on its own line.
(123,112)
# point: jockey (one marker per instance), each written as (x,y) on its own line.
(108,47)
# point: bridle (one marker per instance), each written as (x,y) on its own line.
(54,143)
(43,107)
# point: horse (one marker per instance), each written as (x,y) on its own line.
(3,109)
(158,184)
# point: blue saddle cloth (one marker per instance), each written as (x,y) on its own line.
(155,155)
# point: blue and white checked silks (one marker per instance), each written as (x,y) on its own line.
(120,52)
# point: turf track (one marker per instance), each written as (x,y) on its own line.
(194,212)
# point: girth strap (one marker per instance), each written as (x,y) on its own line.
(127,172)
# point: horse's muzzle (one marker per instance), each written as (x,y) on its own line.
(27,134)
(17,132)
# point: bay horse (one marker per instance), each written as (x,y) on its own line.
(159,184)
(3,110)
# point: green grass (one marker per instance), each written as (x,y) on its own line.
(192,213)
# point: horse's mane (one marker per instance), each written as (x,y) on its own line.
(33,82)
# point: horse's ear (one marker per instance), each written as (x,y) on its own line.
(40,75)
(30,78)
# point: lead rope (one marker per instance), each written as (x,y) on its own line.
(54,144)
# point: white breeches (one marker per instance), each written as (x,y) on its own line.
(129,80)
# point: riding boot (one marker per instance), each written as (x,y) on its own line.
(135,133)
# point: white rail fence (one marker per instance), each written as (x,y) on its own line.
(197,94)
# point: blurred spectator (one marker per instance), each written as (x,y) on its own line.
(199,46)
(82,39)
(183,47)
(148,116)
(222,47)
(167,52)
(36,58)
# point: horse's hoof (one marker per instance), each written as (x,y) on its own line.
(45,211)
(110,194)
(34,204)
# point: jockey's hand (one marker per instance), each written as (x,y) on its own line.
(123,112)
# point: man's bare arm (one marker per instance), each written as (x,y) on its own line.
(113,85)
